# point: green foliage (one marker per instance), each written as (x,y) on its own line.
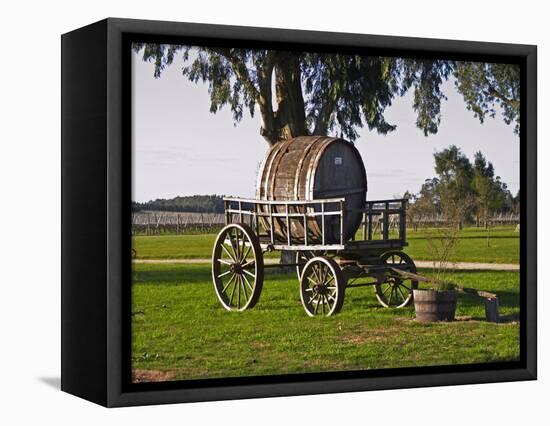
(461,189)
(485,86)
(426,78)
(491,192)
(193,203)
(327,93)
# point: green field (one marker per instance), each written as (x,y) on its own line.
(502,246)
(180,331)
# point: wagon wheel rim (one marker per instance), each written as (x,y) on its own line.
(321,287)
(237,267)
(394,291)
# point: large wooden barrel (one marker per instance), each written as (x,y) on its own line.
(311,168)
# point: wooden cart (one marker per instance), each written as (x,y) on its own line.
(327,264)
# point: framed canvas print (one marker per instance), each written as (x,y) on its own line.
(252,212)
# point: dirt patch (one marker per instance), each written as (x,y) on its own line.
(142,376)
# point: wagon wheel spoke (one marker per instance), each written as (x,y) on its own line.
(230,240)
(329,305)
(311,280)
(244,289)
(224,274)
(225,262)
(239,292)
(247,264)
(242,248)
(229,283)
(315,273)
(237,245)
(317,304)
(391,296)
(233,291)
(248,283)
(328,276)
(245,256)
(322,273)
(231,255)
(249,273)
(401,293)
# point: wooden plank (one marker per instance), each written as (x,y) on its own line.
(473,291)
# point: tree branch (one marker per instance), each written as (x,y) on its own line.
(239,68)
(492,91)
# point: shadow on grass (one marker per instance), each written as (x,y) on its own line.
(509,318)
(188,274)
(503,319)
(506,299)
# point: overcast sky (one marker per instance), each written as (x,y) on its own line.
(180,148)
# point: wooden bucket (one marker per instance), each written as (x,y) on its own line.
(431,305)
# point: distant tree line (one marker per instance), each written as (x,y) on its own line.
(193,203)
(463,191)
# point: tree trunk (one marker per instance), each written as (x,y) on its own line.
(290,113)
(289,119)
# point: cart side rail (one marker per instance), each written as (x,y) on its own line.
(379,218)
(251,211)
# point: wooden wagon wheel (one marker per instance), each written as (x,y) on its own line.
(237,267)
(322,287)
(396,292)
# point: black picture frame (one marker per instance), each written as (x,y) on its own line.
(96,167)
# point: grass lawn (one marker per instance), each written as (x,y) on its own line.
(174,246)
(498,245)
(472,247)
(180,331)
